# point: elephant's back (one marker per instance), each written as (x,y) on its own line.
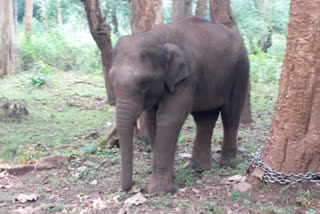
(213,53)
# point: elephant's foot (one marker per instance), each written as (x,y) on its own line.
(199,165)
(160,184)
(226,160)
(127,187)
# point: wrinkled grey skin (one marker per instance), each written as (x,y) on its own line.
(187,67)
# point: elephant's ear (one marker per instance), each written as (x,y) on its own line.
(177,68)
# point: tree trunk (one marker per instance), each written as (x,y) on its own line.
(15,15)
(220,13)
(100,32)
(145,15)
(293,143)
(187,7)
(28,17)
(9,60)
(59,13)
(178,9)
(202,6)
(114,19)
(246,117)
(43,15)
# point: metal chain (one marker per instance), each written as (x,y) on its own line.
(272,176)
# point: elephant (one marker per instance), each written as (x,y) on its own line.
(191,66)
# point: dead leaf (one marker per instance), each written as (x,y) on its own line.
(99,204)
(195,191)
(124,210)
(242,187)
(94,182)
(236,179)
(182,190)
(23,198)
(4,174)
(185,155)
(137,199)
(24,210)
(85,211)
(258,173)
(135,190)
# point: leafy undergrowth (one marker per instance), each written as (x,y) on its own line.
(65,112)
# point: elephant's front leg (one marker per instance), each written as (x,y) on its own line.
(169,122)
(151,126)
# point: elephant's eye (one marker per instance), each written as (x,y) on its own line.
(144,84)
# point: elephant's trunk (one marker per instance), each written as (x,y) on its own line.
(127,114)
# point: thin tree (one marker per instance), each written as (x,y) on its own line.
(265,41)
(221,13)
(9,59)
(202,6)
(43,15)
(114,20)
(178,9)
(100,32)
(187,7)
(59,12)
(293,143)
(28,17)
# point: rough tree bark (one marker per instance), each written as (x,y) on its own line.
(15,15)
(220,13)
(187,7)
(114,20)
(293,143)
(202,6)
(178,9)
(100,32)
(9,60)
(28,17)
(145,15)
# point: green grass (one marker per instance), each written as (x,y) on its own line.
(52,122)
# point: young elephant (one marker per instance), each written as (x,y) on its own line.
(190,66)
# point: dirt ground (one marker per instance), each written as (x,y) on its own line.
(60,120)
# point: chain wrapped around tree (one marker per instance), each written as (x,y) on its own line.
(291,151)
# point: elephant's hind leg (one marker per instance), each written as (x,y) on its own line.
(201,154)
(230,115)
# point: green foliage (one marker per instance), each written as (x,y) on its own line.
(185,175)
(253,19)
(265,68)
(53,208)
(90,148)
(180,138)
(215,208)
(53,48)
(236,196)
(43,71)
(119,8)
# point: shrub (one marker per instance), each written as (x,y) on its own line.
(264,67)
(53,48)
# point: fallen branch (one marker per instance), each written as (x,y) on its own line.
(110,140)
(49,162)
(84,82)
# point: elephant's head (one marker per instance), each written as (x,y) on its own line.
(143,69)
